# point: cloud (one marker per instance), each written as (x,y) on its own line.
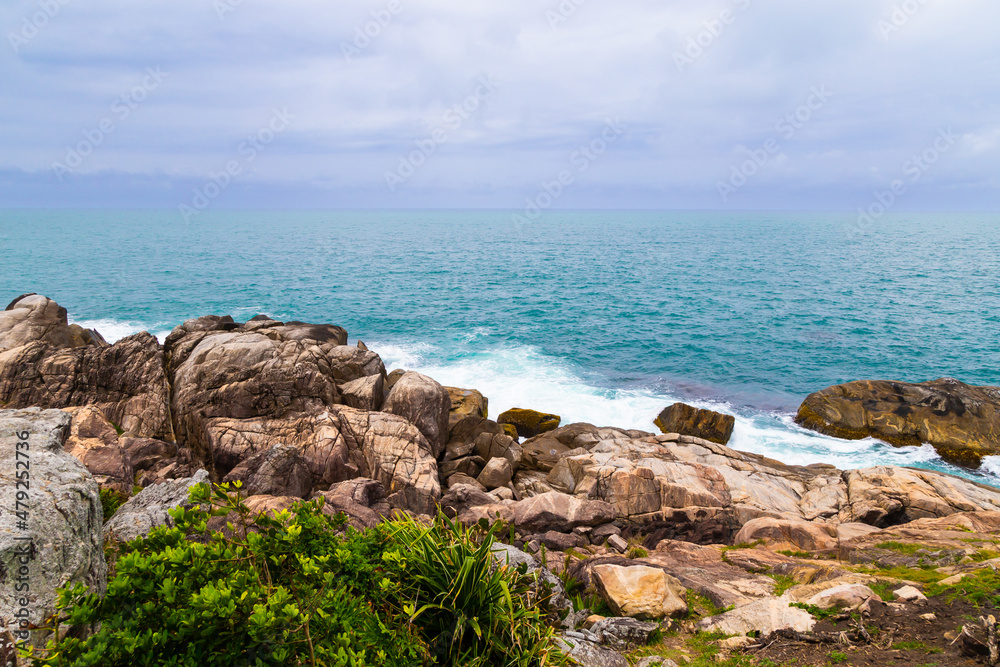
(360,104)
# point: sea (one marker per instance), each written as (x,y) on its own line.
(604,317)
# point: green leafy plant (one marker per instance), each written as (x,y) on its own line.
(293,588)
(469,608)
(982,587)
(111,500)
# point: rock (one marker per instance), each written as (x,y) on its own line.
(640,591)
(961,421)
(529,423)
(125,381)
(909,594)
(735,643)
(785,534)
(279,471)
(554,541)
(148,508)
(622,634)
(928,617)
(510,556)
(601,533)
(503,493)
(699,569)
(469,466)
(33,318)
(466,403)
(847,596)
(57,539)
(145,453)
(705,424)
(365,393)
(362,500)
(464,480)
(763,616)
(588,654)
(94,442)
(656,661)
(220,370)
(392,378)
(497,473)
(425,403)
(886,496)
(339,444)
(617,543)
(561,512)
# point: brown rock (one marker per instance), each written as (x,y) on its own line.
(338,444)
(278,471)
(425,403)
(94,442)
(529,423)
(961,421)
(125,381)
(466,403)
(704,424)
(33,318)
(561,512)
(786,534)
(497,473)
(640,591)
(365,393)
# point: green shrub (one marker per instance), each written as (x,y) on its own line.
(111,500)
(291,589)
(982,587)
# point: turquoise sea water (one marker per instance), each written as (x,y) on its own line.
(604,317)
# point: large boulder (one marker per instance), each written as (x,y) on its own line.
(149,508)
(961,421)
(786,534)
(640,591)
(338,444)
(125,381)
(529,423)
(561,512)
(365,393)
(50,525)
(423,402)
(33,318)
(763,616)
(95,443)
(705,424)
(219,368)
(466,403)
(278,471)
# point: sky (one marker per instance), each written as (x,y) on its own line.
(521,104)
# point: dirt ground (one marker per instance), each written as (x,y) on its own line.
(898,638)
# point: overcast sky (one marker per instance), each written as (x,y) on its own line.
(632,103)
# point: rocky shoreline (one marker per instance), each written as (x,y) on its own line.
(648,521)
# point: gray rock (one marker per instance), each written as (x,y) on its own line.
(148,509)
(656,661)
(622,633)
(589,654)
(506,554)
(59,541)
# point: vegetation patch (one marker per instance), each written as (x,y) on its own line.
(978,588)
(293,589)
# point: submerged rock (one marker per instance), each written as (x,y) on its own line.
(961,421)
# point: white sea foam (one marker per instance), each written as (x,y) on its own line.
(519,376)
(114,330)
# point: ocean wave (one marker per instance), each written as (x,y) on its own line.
(521,376)
(114,330)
